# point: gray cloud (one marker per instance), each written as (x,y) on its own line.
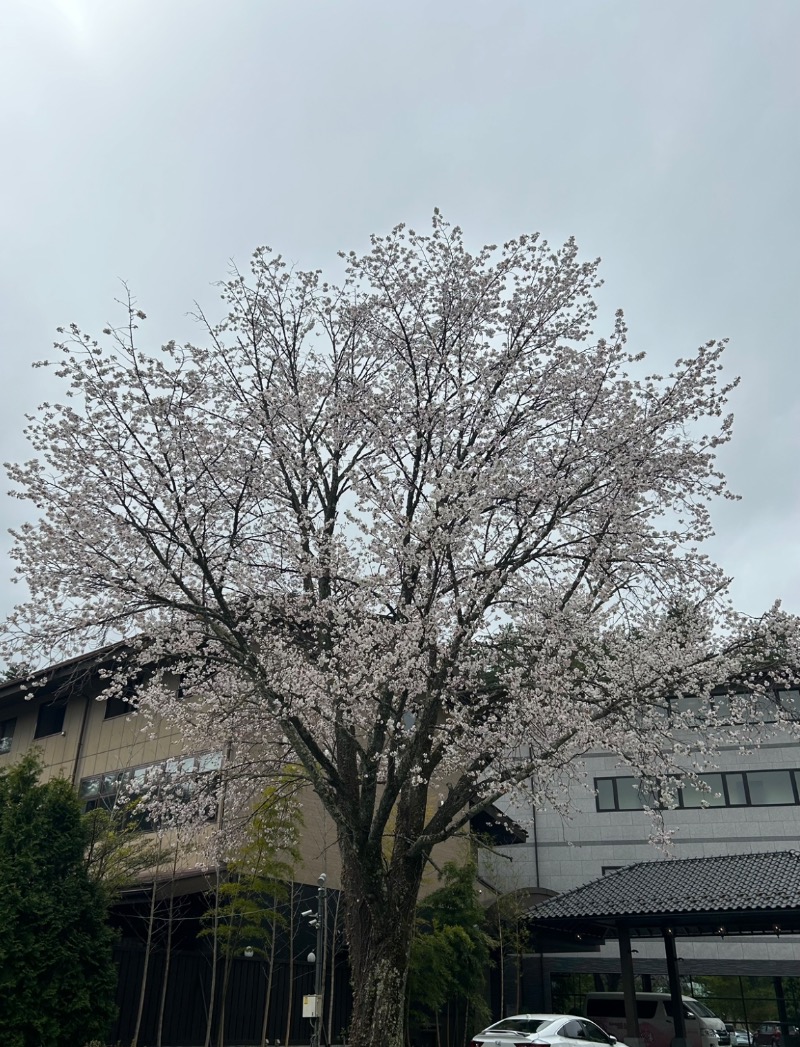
(154,141)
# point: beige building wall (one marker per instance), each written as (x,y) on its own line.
(90,744)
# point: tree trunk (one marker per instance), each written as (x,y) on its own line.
(379,917)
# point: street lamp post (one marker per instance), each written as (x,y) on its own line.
(320,921)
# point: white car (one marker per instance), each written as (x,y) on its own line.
(542,1030)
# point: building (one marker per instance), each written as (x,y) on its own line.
(96,742)
(752,806)
(98,745)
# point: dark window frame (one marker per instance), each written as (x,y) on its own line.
(110,783)
(794,781)
(117,705)
(48,720)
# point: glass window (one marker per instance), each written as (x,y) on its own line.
(211,762)
(593,1033)
(726,789)
(690,709)
(737,796)
(89,787)
(104,790)
(692,796)
(687,1014)
(722,707)
(789,701)
(572,1030)
(605,794)
(607,1007)
(49,720)
(762,709)
(770,787)
(628,795)
(519,1025)
(700,1008)
(7,734)
(117,706)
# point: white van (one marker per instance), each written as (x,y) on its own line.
(703,1027)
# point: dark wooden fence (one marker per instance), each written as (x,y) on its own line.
(188,993)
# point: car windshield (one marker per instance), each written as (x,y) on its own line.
(701,1009)
(519,1025)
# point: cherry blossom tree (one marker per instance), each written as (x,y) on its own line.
(422,533)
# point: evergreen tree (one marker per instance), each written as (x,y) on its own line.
(450,952)
(57,977)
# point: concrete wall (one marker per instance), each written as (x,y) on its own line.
(571,851)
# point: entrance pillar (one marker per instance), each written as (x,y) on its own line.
(678,1020)
(783,1017)
(628,985)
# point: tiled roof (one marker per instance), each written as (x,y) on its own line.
(736,883)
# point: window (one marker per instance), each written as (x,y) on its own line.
(735,793)
(687,1014)
(572,1030)
(789,702)
(117,706)
(770,788)
(7,734)
(725,789)
(736,708)
(49,719)
(526,1025)
(121,703)
(592,1033)
(100,791)
(714,796)
(606,794)
(622,794)
(629,797)
(119,789)
(610,1006)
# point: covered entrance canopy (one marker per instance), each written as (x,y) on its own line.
(738,894)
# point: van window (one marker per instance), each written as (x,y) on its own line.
(686,1012)
(701,1009)
(614,1007)
(603,1007)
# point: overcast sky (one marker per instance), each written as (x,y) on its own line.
(155,140)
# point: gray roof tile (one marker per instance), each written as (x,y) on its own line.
(727,883)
